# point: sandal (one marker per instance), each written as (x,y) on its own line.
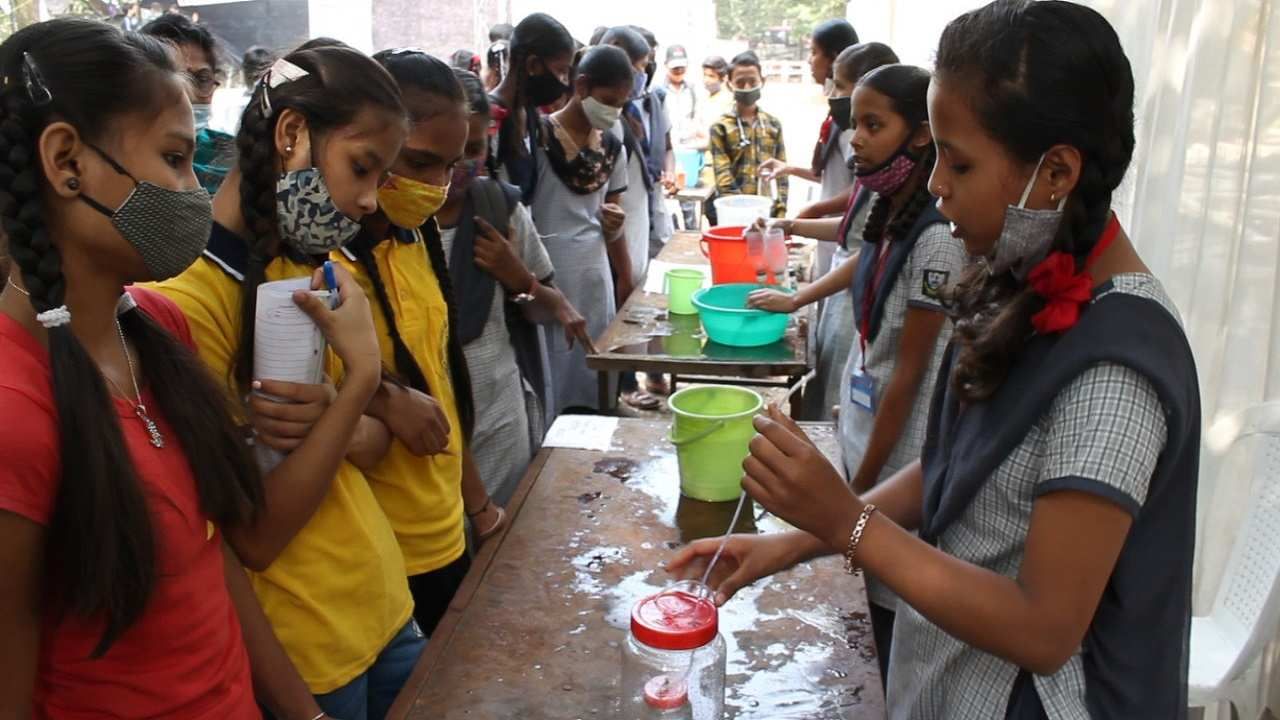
(641,400)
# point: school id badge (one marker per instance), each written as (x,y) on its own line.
(862,389)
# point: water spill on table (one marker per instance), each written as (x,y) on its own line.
(770,674)
(681,336)
(555,604)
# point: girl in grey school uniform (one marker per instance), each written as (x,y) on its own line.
(838,224)
(906,254)
(1055,496)
(582,174)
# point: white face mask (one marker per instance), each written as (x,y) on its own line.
(601,116)
(202,113)
(1027,234)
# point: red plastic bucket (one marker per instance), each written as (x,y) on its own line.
(725,247)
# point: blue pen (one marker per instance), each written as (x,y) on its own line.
(331,282)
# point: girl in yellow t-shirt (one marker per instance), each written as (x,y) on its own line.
(317,135)
(428,482)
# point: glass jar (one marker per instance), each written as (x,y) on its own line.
(674,660)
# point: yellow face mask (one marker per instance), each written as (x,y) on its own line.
(409,203)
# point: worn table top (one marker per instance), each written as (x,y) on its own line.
(644,338)
(535,632)
(698,193)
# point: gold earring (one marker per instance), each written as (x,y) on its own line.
(1053,197)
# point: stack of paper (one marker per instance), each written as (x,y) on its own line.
(287,346)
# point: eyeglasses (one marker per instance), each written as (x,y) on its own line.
(204,80)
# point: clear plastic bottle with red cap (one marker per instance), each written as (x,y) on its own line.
(674,660)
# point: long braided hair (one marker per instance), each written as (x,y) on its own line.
(340,82)
(1037,74)
(429,87)
(907,87)
(101,550)
(538,35)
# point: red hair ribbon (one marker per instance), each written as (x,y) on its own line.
(497,114)
(1064,290)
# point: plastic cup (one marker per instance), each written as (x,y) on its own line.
(681,284)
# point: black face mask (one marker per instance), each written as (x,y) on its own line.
(650,70)
(544,89)
(841,108)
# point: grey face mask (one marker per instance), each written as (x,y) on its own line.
(168,228)
(1027,235)
(747,97)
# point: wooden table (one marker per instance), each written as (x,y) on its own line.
(536,629)
(643,338)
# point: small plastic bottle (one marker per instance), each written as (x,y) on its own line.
(775,253)
(674,660)
(756,251)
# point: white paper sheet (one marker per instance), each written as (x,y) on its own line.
(654,281)
(286,344)
(582,432)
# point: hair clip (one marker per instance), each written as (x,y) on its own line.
(281,71)
(34,81)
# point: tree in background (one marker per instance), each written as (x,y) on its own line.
(759,20)
(17,14)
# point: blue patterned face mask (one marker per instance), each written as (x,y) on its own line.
(306,217)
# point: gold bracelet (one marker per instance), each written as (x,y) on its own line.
(855,538)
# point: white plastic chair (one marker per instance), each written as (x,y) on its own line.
(1227,644)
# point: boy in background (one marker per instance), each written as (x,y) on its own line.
(745,137)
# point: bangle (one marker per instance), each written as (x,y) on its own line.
(855,538)
(480,512)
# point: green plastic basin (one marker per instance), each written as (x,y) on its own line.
(728,321)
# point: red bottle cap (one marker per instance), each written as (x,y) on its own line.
(674,620)
(666,692)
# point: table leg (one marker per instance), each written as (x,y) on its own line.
(603,391)
(797,398)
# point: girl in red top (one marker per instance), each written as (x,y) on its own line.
(120,459)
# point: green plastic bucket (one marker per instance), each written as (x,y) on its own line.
(711,431)
(681,284)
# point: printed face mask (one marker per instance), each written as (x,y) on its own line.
(463,173)
(601,116)
(408,203)
(1027,234)
(306,216)
(168,228)
(889,176)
